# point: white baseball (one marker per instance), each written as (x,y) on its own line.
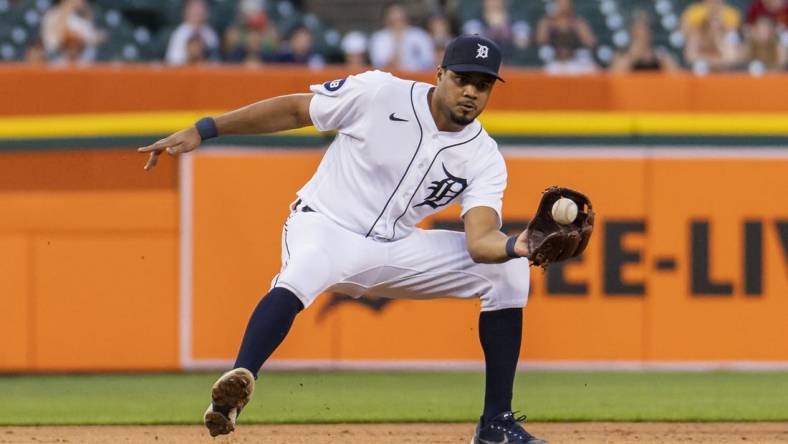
(564,211)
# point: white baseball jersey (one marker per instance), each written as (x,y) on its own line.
(389,166)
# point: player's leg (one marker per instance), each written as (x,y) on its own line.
(310,264)
(500,333)
(267,327)
(269,324)
(436,263)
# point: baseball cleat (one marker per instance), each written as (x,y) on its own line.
(504,429)
(230,393)
(220,422)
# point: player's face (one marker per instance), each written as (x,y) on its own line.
(464,95)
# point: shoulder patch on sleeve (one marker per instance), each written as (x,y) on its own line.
(333,85)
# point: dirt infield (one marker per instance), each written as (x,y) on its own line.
(557,433)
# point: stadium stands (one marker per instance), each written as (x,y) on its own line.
(139,30)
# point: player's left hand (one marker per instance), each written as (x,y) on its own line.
(183,141)
(549,241)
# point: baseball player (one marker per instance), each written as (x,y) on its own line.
(403,151)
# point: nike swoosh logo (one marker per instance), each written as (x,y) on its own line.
(395,118)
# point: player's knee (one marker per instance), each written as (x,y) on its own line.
(283,297)
(511,284)
(308,272)
(503,299)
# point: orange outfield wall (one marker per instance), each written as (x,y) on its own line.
(88,263)
(665,277)
(30,90)
(89,271)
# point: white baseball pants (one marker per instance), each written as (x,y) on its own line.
(319,255)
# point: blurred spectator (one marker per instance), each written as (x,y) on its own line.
(568,39)
(641,55)
(440,31)
(399,45)
(252,37)
(712,41)
(35,53)
(246,48)
(299,49)
(763,50)
(68,33)
(698,15)
(354,49)
(196,50)
(195,17)
(776,10)
(496,25)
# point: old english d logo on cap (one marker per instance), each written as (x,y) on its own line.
(473,53)
(482,51)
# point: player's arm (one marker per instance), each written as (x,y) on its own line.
(266,116)
(486,243)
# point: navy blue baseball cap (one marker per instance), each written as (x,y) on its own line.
(473,53)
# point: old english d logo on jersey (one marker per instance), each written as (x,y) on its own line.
(444,190)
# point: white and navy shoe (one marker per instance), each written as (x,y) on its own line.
(230,393)
(504,429)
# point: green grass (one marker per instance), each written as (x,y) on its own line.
(397,397)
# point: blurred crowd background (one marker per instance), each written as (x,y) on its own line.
(558,36)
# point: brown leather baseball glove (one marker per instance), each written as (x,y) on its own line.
(548,241)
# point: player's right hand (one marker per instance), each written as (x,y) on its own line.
(183,141)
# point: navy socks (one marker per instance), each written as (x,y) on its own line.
(500,333)
(267,328)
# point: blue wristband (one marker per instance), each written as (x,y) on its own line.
(207,128)
(510,247)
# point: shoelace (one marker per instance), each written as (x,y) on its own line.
(518,431)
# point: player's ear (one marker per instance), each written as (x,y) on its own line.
(440,73)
